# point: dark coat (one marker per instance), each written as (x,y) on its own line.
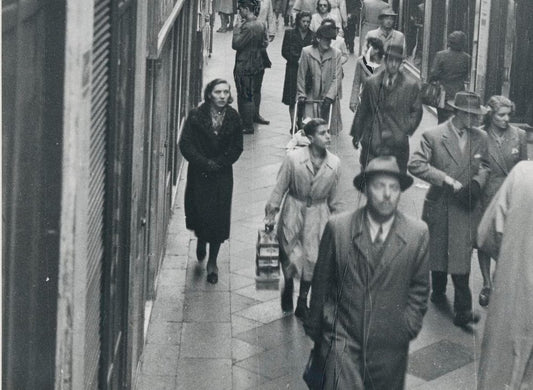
(386,117)
(291,50)
(356,317)
(208,192)
(503,159)
(451,68)
(250,40)
(452,228)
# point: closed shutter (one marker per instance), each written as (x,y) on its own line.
(97,168)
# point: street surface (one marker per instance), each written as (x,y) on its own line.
(233,335)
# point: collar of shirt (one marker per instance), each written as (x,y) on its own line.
(373,226)
(499,138)
(458,133)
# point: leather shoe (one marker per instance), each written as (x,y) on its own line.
(438,298)
(484,296)
(464,318)
(301,309)
(260,120)
(212,278)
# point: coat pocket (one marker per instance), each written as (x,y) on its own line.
(429,212)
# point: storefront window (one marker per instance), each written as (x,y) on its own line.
(413,29)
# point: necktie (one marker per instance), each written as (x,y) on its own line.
(379,237)
(389,82)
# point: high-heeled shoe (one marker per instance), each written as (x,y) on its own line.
(212,278)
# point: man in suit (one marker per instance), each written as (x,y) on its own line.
(386,32)
(389,112)
(370,11)
(453,158)
(370,287)
(250,40)
(353,8)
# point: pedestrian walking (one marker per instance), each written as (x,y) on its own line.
(507,146)
(365,66)
(226,10)
(293,42)
(389,113)
(370,287)
(386,31)
(250,41)
(338,10)
(353,12)
(211,142)
(505,234)
(320,78)
(451,68)
(304,5)
(370,11)
(338,43)
(323,12)
(267,16)
(453,159)
(306,192)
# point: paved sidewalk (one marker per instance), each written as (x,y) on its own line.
(233,335)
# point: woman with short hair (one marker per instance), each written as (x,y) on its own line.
(306,192)
(211,142)
(507,146)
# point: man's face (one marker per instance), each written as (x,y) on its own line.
(383,194)
(467,119)
(322,137)
(392,64)
(387,22)
(243,12)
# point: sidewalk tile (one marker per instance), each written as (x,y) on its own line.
(169,310)
(240,324)
(174,262)
(204,374)
(207,306)
(238,281)
(240,302)
(157,382)
(241,350)
(244,379)
(283,331)
(292,381)
(258,294)
(264,312)
(206,340)
(172,278)
(160,359)
(166,333)
(462,379)
(197,274)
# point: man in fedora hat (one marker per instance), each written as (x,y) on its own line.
(453,158)
(370,11)
(386,32)
(370,286)
(389,112)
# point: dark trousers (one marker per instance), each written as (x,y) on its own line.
(258,83)
(401,154)
(463,296)
(351,31)
(248,96)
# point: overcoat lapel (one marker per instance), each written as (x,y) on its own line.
(362,245)
(394,245)
(451,144)
(496,154)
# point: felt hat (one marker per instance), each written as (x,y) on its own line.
(327,31)
(387,12)
(468,102)
(382,165)
(395,51)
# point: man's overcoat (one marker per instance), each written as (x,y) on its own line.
(452,228)
(359,317)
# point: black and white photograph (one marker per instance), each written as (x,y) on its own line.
(267,194)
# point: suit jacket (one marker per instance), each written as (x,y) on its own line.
(395,37)
(452,228)
(354,315)
(250,39)
(452,69)
(503,158)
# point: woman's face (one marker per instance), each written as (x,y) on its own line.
(324,43)
(321,138)
(304,23)
(501,117)
(220,95)
(322,7)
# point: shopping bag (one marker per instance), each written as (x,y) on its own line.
(267,267)
(431,94)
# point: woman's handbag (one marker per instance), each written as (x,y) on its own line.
(432,94)
(313,374)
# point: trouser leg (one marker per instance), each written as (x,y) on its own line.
(245,102)
(258,82)
(438,282)
(463,295)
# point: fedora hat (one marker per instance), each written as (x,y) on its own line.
(387,12)
(468,102)
(394,51)
(382,165)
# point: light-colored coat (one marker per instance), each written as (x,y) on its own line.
(395,37)
(507,348)
(356,317)
(324,79)
(309,200)
(338,8)
(503,159)
(359,78)
(370,17)
(452,228)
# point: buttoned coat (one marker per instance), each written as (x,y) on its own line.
(359,317)
(503,158)
(387,116)
(249,40)
(308,199)
(208,193)
(319,78)
(360,75)
(505,233)
(293,43)
(370,17)
(452,228)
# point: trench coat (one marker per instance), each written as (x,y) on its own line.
(503,159)
(386,117)
(507,348)
(319,78)
(452,228)
(208,193)
(291,51)
(308,199)
(356,317)
(370,11)
(360,75)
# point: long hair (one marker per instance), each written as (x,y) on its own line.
(299,16)
(211,86)
(494,104)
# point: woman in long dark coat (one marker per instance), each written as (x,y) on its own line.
(294,41)
(211,142)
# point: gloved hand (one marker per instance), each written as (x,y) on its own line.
(213,166)
(469,195)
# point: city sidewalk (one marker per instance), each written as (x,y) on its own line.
(233,335)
